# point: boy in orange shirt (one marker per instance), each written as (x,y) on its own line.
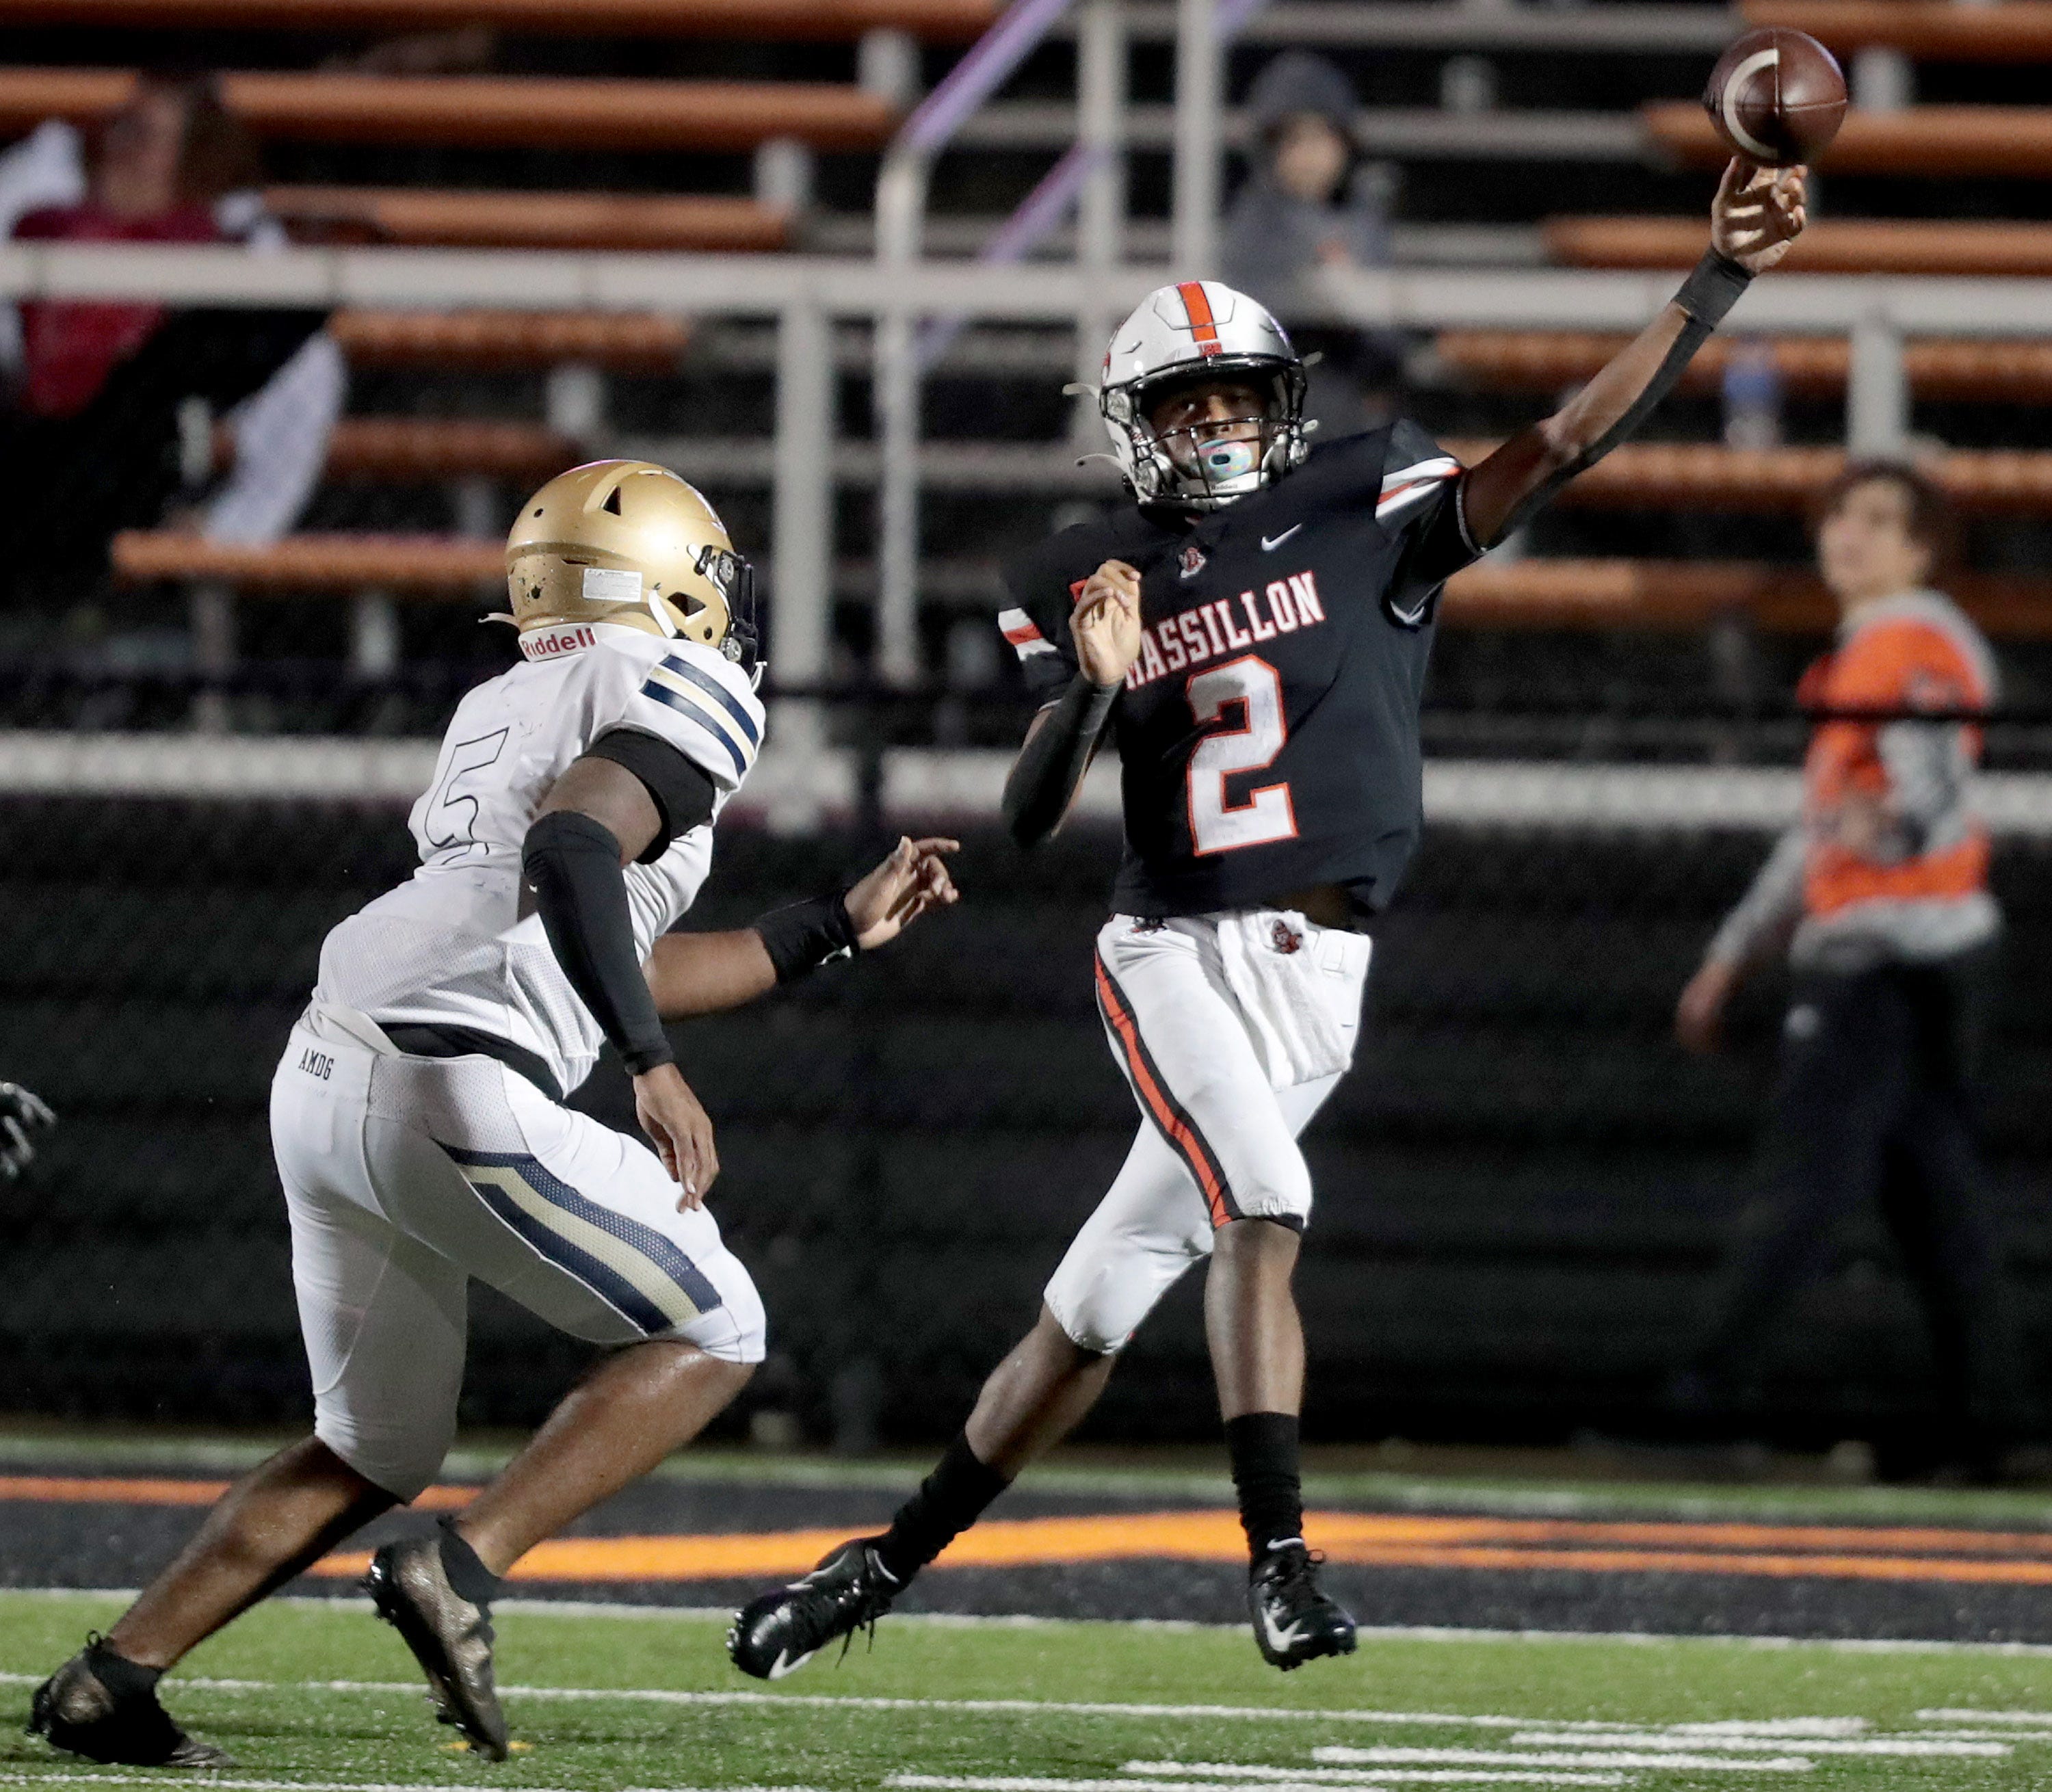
(1879,894)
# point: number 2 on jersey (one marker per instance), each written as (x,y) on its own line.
(1266,816)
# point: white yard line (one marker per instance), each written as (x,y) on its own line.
(1966,1714)
(1982,1735)
(1795,1733)
(1006,1708)
(1468,1757)
(1421,1776)
(90,1777)
(1551,1738)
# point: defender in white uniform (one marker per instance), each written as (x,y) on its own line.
(417,1114)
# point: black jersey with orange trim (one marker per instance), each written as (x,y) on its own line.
(1268,733)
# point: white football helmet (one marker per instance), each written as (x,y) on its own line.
(1192,334)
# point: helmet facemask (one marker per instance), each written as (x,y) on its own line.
(1210,462)
(734,578)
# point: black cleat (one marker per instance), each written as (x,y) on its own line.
(1293,1621)
(450,1637)
(76,1710)
(780,1632)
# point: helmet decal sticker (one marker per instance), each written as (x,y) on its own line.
(1203,325)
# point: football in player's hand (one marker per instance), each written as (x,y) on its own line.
(1777,96)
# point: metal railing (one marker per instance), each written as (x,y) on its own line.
(901,209)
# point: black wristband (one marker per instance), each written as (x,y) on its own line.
(1716,285)
(802,938)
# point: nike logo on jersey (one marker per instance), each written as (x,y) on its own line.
(1270,543)
(1213,630)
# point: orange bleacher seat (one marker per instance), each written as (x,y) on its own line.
(1829,246)
(1940,30)
(1708,476)
(2012,141)
(1539,360)
(1683,595)
(523,111)
(404,450)
(414,450)
(433,568)
(818,20)
(716,223)
(622,342)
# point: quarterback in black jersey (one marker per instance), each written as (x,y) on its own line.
(1254,633)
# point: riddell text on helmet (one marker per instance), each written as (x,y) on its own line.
(1226,625)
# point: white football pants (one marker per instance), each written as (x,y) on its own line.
(1232,1029)
(404,1177)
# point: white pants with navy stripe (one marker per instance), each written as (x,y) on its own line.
(404,1177)
(1232,1031)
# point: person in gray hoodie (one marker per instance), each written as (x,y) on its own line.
(1309,203)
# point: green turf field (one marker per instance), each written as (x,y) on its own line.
(314,1695)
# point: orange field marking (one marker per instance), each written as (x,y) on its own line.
(1366,1540)
(1371,1540)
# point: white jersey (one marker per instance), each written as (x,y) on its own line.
(448,947)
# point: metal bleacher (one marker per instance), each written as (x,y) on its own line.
(1515,136)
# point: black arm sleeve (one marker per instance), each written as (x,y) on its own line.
(682,792)
(1712,290)
(572,864)
(1052,762)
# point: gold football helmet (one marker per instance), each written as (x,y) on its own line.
(629,542)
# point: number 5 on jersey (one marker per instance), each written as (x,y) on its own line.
(1266,816)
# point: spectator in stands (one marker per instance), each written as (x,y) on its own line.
(1879,895)
(100,392)
(1308,203)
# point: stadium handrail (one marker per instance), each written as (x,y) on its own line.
(923,784)
(598,280)
(1452,25)
(1830,245)
(902,188)
(712,223)
(943,21)
(1941,30)
(1561,595)
(1925,141)
(526,112)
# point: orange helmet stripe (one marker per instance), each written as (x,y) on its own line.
(1203,325)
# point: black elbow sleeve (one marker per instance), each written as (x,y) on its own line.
(571,863)
(1052,762)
